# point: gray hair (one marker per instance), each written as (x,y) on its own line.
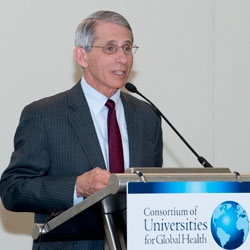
(85,32)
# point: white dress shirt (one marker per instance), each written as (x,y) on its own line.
(99,112)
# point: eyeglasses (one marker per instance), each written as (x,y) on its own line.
(111,49)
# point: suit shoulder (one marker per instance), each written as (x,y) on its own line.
(133,100)
(73,97)
(136,103)
(50,100)
(54,104)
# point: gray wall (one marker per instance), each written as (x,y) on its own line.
(193,63)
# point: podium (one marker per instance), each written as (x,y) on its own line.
(110,202)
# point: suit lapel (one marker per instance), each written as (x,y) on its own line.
(82,123)
(135,131)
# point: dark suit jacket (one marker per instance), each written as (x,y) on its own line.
(56,141)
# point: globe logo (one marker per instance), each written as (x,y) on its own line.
(229,225)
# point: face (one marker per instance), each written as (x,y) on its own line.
(107,73)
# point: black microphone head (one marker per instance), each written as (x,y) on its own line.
(131,87)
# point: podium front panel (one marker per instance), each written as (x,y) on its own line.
(188,215)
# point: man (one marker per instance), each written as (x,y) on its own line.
(62,144)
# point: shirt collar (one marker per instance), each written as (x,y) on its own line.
(95,99)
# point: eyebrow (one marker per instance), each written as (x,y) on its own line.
(115,41)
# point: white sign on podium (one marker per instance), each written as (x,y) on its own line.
(188,215)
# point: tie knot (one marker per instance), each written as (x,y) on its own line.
(110,104)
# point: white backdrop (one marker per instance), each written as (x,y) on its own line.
(193,63)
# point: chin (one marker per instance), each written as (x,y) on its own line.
(119,85)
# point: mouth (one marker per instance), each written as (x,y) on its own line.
(120,73)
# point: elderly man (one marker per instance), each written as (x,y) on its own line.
(67,145)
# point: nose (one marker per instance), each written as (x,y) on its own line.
(121,57)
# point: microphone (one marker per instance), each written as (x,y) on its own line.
(131,87)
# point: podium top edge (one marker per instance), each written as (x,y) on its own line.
(177,170)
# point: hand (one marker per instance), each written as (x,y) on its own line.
(91,181)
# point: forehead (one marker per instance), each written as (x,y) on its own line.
(106,31)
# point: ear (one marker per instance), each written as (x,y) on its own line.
(80,56)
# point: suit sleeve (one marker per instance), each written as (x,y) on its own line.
(25,185)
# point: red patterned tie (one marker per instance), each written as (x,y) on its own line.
(116,161)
